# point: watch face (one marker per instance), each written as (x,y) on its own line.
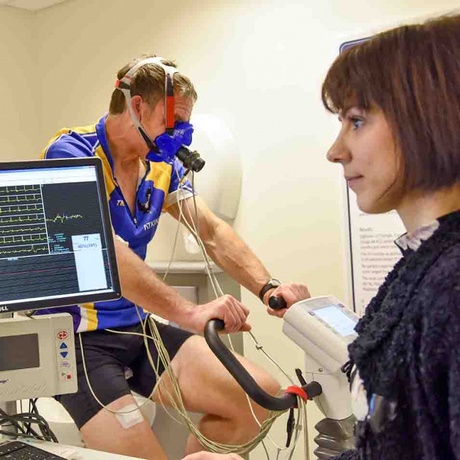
(271,284)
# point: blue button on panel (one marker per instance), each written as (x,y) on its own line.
(64,354)
(63,345)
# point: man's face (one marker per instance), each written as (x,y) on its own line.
(153,119)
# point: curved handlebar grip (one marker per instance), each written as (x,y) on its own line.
(241,375)
(276,303)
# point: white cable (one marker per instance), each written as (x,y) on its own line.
(218,292)
(176,398)
(116,412)
(194,231)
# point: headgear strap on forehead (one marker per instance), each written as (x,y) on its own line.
(177,136)
(124,85)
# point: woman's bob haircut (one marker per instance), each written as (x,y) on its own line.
(412,74)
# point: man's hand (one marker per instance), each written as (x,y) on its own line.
(290,292)
(210,456)
(227,308)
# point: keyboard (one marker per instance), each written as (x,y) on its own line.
(18,450)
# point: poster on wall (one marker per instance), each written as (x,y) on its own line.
(372,250)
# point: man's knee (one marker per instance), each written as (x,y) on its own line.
(121,428)
(270,384)
(244,408)
(264,379)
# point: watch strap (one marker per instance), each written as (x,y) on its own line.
(270,284)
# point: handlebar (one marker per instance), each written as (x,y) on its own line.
(276,303)
(241,375)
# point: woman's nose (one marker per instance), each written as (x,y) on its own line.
(338,152)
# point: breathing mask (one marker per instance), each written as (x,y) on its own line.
(177,136)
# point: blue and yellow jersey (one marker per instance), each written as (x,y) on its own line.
(157,189)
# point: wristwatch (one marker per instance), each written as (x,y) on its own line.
(272,283)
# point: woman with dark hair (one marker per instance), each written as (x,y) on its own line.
(397,96)
(398,100)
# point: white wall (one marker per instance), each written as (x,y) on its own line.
(256,64)
(19,120)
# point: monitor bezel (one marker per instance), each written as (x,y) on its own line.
(67,300)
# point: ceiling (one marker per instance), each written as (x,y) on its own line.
(31,5)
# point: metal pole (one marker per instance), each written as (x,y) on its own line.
(8,406)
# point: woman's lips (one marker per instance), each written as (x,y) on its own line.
(353,181)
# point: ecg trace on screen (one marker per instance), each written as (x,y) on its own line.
(11,199)
(22,225)
(46,216)
(63,218)
(25,227)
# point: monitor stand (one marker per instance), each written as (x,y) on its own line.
(8,406)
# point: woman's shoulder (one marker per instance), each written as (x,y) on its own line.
(437,297)
(444,271)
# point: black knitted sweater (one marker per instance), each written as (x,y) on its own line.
(408,351)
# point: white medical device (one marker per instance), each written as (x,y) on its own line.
(323,327)
(37,357)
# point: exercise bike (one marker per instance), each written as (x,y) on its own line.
(323,327)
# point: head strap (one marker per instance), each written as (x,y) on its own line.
(124,85)
(128,77)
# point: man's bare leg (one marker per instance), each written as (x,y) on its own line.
(208,388)
(130,435)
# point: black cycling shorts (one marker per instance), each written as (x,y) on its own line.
(107,358)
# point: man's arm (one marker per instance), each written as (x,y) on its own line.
(141,285)
(232,254)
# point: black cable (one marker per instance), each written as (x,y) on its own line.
(22,423)
(34,408)
(16,427)
(16,435)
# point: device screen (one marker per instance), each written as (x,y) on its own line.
(19,352)
(336,319)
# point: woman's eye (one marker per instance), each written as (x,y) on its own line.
(356,122)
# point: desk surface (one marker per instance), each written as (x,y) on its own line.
(74,453)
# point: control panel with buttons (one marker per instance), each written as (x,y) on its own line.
(38,357)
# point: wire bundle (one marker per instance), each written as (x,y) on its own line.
(150,332)
(22,424)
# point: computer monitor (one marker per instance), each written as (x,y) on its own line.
(56,242)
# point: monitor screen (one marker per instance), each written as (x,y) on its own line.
(336,319)
(56,242)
